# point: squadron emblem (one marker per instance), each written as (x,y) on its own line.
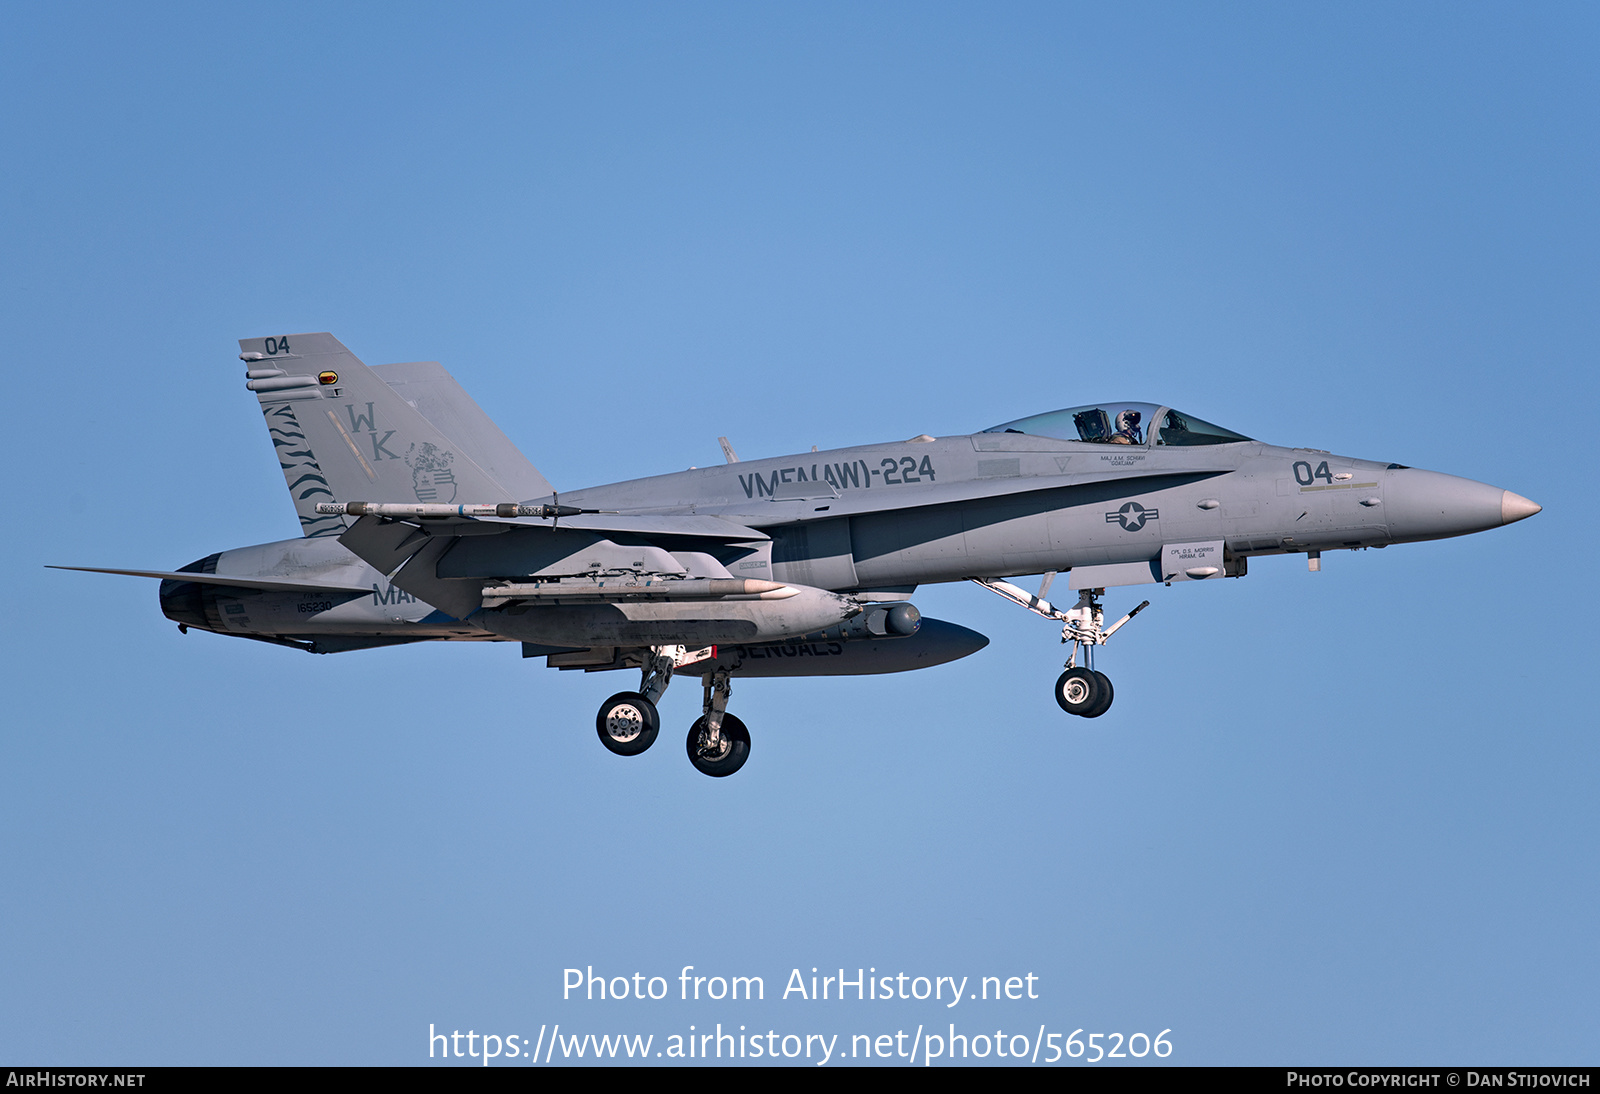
(431,477)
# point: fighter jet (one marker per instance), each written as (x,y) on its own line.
(421,521)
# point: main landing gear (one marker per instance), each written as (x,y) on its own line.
(718,743)
(628,722)
(1080,689)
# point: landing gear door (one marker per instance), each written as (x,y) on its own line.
(1191,561)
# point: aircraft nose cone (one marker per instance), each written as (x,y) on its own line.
(1515,507)
(1427,505)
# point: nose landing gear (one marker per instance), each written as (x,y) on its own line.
(1080,690)
(1084,692)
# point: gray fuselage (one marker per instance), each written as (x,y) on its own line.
(890,516)
(878,520)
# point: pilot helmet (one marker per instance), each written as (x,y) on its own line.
(1128,419)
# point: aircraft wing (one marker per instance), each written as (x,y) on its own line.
(479,520)
(695,525)
(270,584)
(447,560)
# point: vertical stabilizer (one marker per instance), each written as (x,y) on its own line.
(343,434)
(437,396)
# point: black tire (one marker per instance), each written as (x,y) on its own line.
(1102,702)
(627,723)
(735,749)
(1077,691)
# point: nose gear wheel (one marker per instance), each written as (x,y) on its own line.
(1084,692)
(1080,690)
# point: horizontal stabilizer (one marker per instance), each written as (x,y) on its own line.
(236,581)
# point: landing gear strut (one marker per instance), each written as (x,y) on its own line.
(628,722)
(718,743)
(1080,689)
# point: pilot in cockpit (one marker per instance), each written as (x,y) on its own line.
(1127,428)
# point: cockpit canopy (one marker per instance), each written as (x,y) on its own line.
(1122,423)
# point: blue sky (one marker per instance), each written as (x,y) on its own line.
(1333,818)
